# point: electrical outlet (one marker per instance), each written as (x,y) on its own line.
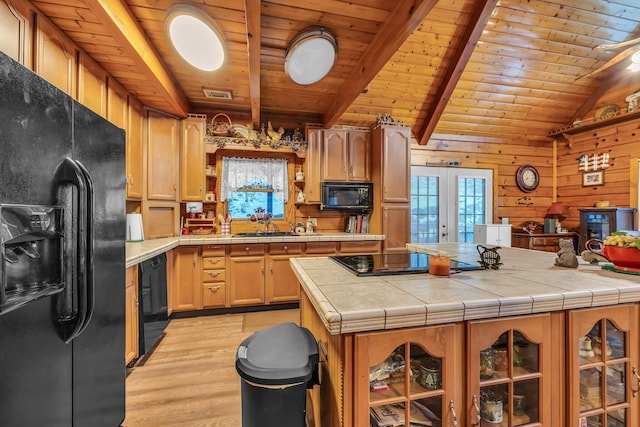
(313,221)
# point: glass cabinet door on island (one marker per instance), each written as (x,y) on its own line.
(603,351)
(509,365)
(408,377)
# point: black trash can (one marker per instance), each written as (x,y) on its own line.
(277,366)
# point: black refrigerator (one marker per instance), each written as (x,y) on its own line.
(62,295)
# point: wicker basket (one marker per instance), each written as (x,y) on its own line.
(221,127)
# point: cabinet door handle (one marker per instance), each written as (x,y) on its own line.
(214,288)
(477,408)
(247,248)
(271,268)
(262,268)
(214,261)
(214,273)
(454,417)
(285,248)
(194,261)
(637,375)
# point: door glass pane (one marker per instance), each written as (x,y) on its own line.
(590,389)
(471,206)
(525,355)
(526,402)
(617,418)
(616,384)
(589,346)
(426,369)
(424,209)
(492,405)
(615,342)
(387,379)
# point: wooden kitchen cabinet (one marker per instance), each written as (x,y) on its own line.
(391,174)
(396,227)
(187,291)
(15,31)
(346,155)
(598,223)
(509,371)
(548,242)
(131,315)
(391,163)
(162,153)
(117,104)
(55,57)
(213,276)
(192,159)
(92,85)
(281,283)
(246,274)
(321,248)
(603,361)
(135,150)
(415,371)
(312,166)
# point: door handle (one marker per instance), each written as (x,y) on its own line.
(73,317)
(637,375)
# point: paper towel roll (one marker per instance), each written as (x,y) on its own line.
(134,228)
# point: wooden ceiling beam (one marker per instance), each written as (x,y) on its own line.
(252,8)
(120,22)
(459,58)
(402,21)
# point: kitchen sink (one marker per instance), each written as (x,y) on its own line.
(266,234)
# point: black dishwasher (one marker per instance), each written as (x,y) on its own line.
(153,318)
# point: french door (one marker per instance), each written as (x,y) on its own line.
(447,202)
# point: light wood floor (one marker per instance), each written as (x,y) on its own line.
(190,380)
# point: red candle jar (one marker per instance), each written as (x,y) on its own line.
(439,265)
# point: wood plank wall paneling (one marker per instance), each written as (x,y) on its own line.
(622,143)
(504,156)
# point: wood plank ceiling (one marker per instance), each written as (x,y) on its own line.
(472,68)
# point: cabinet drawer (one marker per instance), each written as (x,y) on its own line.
(360,246)
(213,295)
(213,275)
(246,249)
(321,247)
(213,262)
(285,248)
(213,250)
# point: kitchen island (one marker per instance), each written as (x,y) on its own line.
(360,321)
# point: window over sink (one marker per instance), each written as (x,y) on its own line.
(254,188)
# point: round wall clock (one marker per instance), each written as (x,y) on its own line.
(527,178)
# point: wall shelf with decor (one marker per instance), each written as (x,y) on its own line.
(215,143)
(593,123)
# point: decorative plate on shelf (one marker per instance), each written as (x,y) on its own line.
(606,111)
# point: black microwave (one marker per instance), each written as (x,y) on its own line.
(347,196)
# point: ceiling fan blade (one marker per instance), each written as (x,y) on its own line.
(613,61)
(617,45)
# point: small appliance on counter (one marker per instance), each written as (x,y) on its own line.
(135,233)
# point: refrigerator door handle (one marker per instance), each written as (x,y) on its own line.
(88,238)
(73,304)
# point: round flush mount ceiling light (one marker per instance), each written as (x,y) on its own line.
(310,56)
(194,36)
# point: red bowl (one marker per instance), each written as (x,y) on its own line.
(624,258)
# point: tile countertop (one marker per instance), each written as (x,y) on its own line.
(527,282)
(136,252)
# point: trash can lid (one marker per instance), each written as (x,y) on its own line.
(279,355)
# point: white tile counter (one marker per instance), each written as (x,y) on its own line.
(527,282)
(136,252)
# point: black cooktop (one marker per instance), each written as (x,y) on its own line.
(396,263)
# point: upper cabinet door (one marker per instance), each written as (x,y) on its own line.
(192,164)
(15,32)
(55,57)
(92,85)
(162,157)
(135,144)
(359,156)
(396,165)
(334,159)
(312,166)
(117,104)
